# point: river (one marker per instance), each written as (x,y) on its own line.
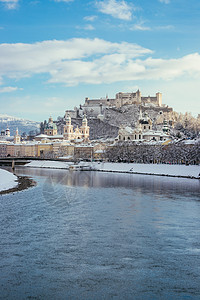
(92,235)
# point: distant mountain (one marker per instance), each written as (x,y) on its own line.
(13,123)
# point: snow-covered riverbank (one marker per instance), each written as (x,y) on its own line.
(152,169)
(7,180)
(190,171)
(49,164)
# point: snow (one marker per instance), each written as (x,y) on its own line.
(41,136)
(7,180)
(99,151)
(191,142)
(191,171)
(129,129)
(155,169)
(66,157)
(5,118)
(48,164)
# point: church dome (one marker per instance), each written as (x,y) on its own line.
(51,126)
(145,119)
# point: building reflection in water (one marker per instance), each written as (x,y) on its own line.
(161,185)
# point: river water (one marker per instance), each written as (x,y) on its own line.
(92,235)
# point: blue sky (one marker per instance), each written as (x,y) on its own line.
(54,53)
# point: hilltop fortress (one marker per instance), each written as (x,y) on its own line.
(97,106)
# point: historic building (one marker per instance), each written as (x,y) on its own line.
(17,137)
(136,98)
(81,133)
(143,131)
(96,107)
(50,128)
(145,123)
(127,133)
(3,149)
(5,133)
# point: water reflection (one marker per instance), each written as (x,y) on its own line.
(140,183)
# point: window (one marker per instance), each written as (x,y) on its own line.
(139,137)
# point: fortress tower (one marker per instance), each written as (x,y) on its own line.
(159,99)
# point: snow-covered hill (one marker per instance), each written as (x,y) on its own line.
(14,122)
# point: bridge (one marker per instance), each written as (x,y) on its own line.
(13,161)
(17,161)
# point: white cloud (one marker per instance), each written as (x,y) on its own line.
(93,61)
(90,18)
(140,27)
(165,1)
(117,9)
(10,4)
(170,69)
(9,89)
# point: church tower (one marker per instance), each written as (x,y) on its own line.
(17,137)
(85,129)
(50,120)
(68,129)
(7,132)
